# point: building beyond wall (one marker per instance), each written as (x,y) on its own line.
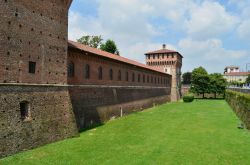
(50,89)
(233,74)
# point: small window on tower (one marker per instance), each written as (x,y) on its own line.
(32,67)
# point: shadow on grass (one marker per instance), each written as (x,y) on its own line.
(209,98)
(91,127)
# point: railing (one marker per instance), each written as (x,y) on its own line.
(238,89)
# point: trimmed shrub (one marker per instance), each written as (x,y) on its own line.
(240,103)
(188,98)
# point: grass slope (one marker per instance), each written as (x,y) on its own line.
(202,132)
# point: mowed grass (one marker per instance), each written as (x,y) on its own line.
(202,132)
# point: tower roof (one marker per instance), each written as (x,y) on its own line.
(162,51)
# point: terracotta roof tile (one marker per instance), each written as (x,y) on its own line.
(161,51)
(99,52)
(237,74)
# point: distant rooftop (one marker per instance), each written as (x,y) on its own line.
(232,66)
(237,74)
(162,51)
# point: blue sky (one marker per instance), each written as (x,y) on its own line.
(208,33)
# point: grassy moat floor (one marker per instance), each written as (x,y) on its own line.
(202,132)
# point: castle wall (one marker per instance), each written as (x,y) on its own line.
(142,77)
(51,117)
(97,100)
(99,103)
(36,32)
(33,31)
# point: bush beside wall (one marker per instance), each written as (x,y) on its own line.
(188,98)
(240,103)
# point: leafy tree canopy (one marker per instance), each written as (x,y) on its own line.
(248,79)
(187,78)
(92,41)
(110,46)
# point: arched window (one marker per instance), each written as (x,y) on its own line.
(133,77)
(148,79)
(111,74)
(152,79)
(127,79)
(25,110)
(100,73)
(87,71)
(71,69)
(139,77)
(119,75)
(143,78)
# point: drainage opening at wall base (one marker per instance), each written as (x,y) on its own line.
(25,111)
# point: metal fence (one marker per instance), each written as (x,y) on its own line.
(242,90)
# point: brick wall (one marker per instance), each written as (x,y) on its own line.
(142,77)
(51,117)
(40,26)
(97,104)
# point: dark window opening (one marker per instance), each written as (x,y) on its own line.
(139,77)
(111,74)
(87,71)
(133,77)
(127,76)
(147,79)
(25,110)
(119,75)
(143,78)
(71,69)
(32,67)
(100,73)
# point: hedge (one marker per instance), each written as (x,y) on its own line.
(240,103)
(188,98)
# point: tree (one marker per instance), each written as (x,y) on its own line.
(200,81)
(248,79)
(92,41)
(187,78)
(217,84)
(110,46)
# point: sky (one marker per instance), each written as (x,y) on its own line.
(208,33)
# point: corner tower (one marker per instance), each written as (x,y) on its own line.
(170,62)
(35,106)
(33,39)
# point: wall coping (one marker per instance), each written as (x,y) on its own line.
(88,86)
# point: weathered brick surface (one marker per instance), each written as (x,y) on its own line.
(98,104)
(37,31)
(80,59)
(51,119)
(33,31)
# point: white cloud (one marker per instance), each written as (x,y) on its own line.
(137,51)
(201,24)
(243,30)
(210,19)
(210,53)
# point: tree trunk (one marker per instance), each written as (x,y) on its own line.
(203,95)
(215,95)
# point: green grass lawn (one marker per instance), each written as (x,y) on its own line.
(202,132)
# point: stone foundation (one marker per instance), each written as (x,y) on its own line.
(51,117)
